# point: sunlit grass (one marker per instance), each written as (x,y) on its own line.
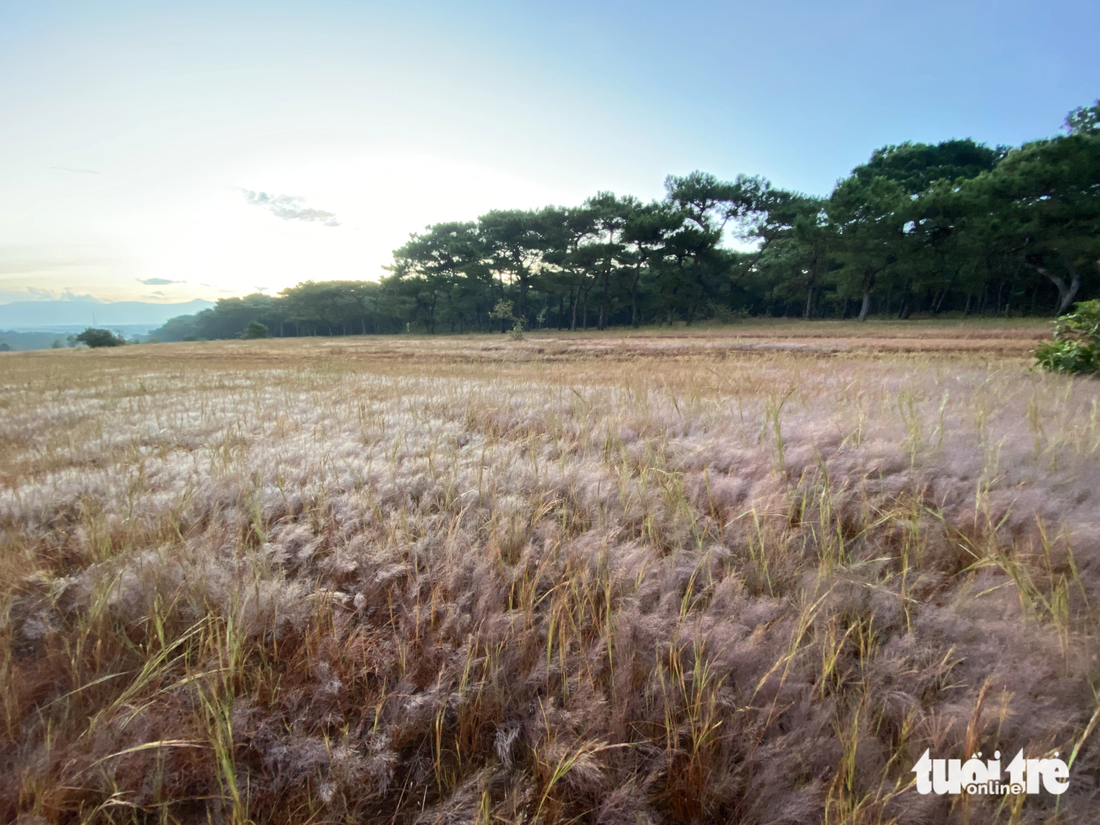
(687,577)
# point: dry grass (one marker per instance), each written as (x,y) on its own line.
(615,579)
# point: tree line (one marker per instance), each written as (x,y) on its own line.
(919,228)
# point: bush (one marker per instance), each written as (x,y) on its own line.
(1075,346)
(517,330)
(254,330)
(724,314)
(96,338)
(503,312)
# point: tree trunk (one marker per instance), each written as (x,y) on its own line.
(938,301)
(602,324)
(868,285)
(866,308)
(819,262)
(906,308)
(1066,293)
(522,280)
(634,305)
(1008,298)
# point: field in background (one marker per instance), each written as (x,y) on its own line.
(743,574)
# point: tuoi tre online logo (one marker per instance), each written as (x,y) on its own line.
(975,777)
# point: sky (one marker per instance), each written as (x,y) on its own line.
(166,151)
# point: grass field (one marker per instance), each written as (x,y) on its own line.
(744,574)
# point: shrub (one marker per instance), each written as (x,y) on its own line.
(254,330)
(724,314)
(503,312)
(96,338)
(517,330)
(1075,346)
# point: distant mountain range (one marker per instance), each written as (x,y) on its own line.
(54,315)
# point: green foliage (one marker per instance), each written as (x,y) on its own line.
(502,311)
(723,314)
(1084,120)
(254,330)
(1075,347)
(96,338)
(1041,207)
(916,166)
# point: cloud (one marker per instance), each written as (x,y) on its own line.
(262,288)
(76,171)
(69,295)
(290,208)
(37,293)
(158,281)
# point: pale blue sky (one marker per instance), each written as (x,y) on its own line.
(132,134)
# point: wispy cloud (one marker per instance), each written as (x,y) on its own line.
(35,293)
(290,208)
(158,281)
(69,295)
(75,171)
